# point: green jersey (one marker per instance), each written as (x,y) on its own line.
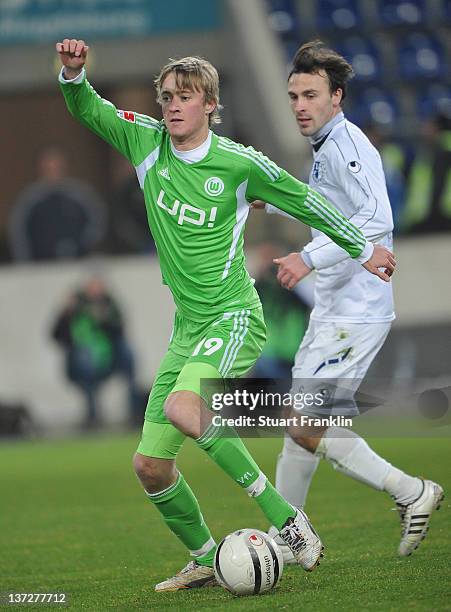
(197,211)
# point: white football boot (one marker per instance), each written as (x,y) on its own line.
(303,541)
(192,576)
(288,557)
(415,517)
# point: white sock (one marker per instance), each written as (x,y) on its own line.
(403,488)
(351,455)
(294,473)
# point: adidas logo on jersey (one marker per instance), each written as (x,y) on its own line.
(164,172)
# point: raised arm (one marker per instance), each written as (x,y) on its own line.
(132,134)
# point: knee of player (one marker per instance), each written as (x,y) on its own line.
(171,410)
(301,439)
(154,474)
(140,464)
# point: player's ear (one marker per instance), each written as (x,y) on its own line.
(337,97)
(210,107)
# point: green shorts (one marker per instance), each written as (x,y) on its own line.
(224,347)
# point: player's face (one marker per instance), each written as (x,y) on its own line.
(312,102)
(185,112)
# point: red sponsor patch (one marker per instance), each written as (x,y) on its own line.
(127,115)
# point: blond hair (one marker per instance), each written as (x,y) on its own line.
(195,74)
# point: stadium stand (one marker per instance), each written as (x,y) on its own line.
(401,49)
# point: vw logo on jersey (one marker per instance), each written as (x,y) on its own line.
(214,186)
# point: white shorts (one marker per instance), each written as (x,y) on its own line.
(331,361)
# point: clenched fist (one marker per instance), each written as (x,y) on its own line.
(73,54)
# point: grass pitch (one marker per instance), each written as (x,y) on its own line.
(73,519)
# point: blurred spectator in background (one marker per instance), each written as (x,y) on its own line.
(90,329)
(129,230)
(56,217)
(286,316)
(395,163)
(428,200)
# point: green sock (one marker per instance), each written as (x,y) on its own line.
(227,450)
(181,513)
(275,507)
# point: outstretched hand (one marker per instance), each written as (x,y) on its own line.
(381,258)
(73,54)
(292,269)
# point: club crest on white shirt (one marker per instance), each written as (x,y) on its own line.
(318,170)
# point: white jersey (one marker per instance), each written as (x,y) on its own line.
(347,170)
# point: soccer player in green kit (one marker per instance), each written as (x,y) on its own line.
(197,188)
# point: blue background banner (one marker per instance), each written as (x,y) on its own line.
(38,21)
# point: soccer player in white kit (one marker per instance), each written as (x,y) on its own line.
(353,310)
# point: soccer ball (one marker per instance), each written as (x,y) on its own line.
(248,562)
